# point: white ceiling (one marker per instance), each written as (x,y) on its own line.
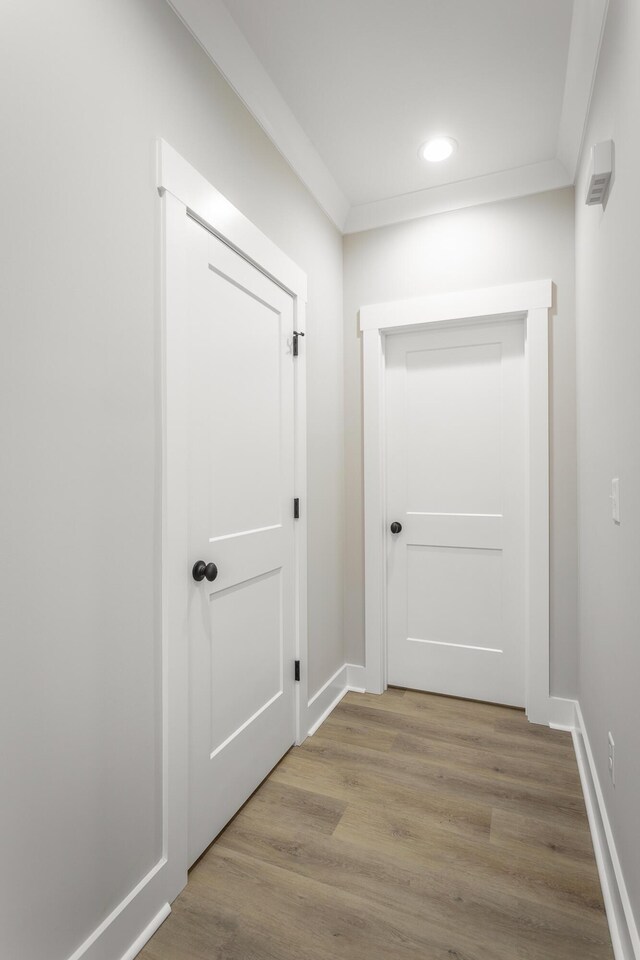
(370,80)
(349,89)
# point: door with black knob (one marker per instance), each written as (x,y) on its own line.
(241,624)
(456,502)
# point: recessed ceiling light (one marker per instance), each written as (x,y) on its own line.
(437,149)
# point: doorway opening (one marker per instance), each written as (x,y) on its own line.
(528,306)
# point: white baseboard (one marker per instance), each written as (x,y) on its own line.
(562,713)
(123,925)
(356,677)
(349,676)
(556,712)
(147,933)
(326,699)
(622,923)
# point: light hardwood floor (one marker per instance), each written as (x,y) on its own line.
(410,826)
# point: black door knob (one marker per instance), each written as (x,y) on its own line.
(202,570)
(396,527)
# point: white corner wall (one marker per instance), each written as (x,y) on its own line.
(608,374)
(497,243)
(87,87)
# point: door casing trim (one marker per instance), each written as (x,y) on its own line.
(530,302)
(183,191)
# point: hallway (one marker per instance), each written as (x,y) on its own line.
(410,826)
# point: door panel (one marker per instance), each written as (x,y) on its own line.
(437,577)
(241,625)
(455,480)
(454,393)
(238,352)
(249,617)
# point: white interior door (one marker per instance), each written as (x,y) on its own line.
(241,475)
(455,480)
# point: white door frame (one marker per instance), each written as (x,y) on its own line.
(530,302)
(185,193)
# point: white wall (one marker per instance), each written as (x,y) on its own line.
(608,367)
(86,86)
(516,240)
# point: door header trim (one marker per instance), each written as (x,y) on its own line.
(516,298)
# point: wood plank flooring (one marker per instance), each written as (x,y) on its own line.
(410,826)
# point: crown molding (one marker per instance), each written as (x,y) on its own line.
(505,185)
(587,29)
(222,40)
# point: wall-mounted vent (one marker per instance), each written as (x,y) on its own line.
(600,172)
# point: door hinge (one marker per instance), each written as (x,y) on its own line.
(296,675)
(296,334)
(296,508)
